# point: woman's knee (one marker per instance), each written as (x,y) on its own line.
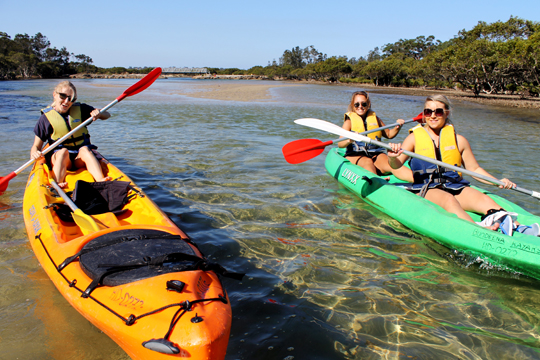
(61,156)
(84,150)
(443,198)
(381,163)
(61,153)
(85,153)
(364,161)
(476,201)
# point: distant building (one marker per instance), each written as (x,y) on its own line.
(185,70)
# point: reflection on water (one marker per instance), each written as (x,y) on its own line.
(327,276)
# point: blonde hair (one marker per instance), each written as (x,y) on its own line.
(361,93)
(439,98)
(65,84)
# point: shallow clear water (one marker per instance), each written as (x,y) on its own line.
(327,276)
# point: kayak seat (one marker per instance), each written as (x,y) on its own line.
(101,197)
(103,200)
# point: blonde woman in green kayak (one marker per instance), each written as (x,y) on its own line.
(437,139)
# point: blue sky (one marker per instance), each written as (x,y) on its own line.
(242,33)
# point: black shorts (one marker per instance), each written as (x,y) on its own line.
(73,154)
(448,190)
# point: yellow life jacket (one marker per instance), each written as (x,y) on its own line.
(448,147)
(61,127)
(357,124)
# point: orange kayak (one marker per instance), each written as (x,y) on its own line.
(137,276)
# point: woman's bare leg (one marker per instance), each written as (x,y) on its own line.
(60,163)
(86,157)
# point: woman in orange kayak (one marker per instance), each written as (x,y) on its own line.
(360,118)
(437,139)
(57,120)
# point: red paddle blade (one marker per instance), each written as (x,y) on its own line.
(4,181)
(419,117)
(302,150)
(141,84)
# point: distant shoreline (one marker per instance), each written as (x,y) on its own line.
(514,101)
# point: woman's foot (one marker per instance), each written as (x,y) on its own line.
(106,178)
(493,227)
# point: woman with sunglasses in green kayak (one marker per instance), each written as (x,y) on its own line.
(360,118)
(437,139)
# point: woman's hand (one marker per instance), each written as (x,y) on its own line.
(345,142)
(401,122)
(396,150)
(507,184)
(95,114)
(34,155)
(393,154)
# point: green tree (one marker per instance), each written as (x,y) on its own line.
(374,55)
(39,45)
(293,58)
(310,55)
(414,48)
(485,59)
(256,70)
(83,62)
(393,70)
(26,64)
(23,44)
(332,68)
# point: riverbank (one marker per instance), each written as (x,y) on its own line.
(235,92)
(515,101)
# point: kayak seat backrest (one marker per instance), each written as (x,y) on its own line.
(100,197)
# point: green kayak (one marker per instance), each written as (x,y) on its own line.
(518,252)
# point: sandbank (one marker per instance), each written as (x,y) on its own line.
(234,92)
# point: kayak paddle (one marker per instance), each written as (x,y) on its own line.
(334,129)
(84,221)
(132,90)
(302,150)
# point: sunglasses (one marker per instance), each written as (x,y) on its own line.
(438,112)
(364,104)
(65,96)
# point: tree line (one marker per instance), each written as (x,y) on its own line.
(27,56)
(496,58)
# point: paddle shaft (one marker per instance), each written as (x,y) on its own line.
(332,128)
(85,222)
(64,196)
(377,129)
